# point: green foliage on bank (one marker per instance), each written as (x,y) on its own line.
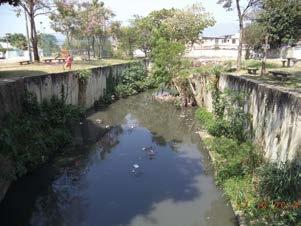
(133,80)
(229,118)
(267,193)
(28,139)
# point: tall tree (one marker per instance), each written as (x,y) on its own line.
(241,13)
(35,8)
(254,35)
(48,43)
(280,21)
(17,40)
(64,19)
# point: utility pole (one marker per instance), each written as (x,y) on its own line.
(27,34)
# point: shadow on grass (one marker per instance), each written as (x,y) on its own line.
(21,73)
(293,82)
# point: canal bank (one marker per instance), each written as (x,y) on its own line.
(94,184)
(255,180)
(276,112)
(81,88)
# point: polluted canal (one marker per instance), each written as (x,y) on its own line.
(146,168)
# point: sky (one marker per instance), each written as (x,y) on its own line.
(226,22)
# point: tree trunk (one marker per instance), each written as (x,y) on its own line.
(241,27)
(247,56)
(100,49)
(27,36)
(93,46)
(34,37)
(68,40)
(263,63)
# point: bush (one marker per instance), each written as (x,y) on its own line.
(133,80)
(29,138)
(235,160)
(280,182)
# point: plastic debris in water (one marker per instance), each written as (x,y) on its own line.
(80,123)
(151,152)
(107,126)
(136,166)
(98,121)
(147,149)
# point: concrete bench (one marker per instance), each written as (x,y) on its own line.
(283,62)
(48,60)
(283,75)
(252,71)
(85,59)
(24,62)
(61,60)
(295,61)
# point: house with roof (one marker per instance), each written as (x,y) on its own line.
(225,46)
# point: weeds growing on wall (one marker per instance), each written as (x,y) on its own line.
(28,139)
(84,75)
(228,118)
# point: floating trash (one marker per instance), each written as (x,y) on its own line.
(147,148)
(98,121)
(151,152)
(80,123)
(107,126)
(136,166)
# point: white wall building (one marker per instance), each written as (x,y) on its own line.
(225,46)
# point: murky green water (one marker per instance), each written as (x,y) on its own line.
(112,181)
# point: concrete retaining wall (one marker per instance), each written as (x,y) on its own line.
(65,84)
(276,114)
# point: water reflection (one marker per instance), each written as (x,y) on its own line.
(96,186)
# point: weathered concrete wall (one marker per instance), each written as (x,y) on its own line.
(276,114)
(66,83)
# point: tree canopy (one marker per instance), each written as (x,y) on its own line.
(280,20)
(17,40)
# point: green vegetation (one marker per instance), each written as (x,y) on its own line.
(17,40)
(257,64)
(29,138)
(133,80)
(49,44)
(229,118)
(267,193)
(280,182)
(84,75)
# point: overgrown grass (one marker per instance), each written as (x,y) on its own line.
(257,64)
(29,138)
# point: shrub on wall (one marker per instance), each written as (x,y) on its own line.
(29,138)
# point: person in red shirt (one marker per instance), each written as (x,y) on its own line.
(68,63)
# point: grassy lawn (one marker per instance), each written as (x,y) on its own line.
(293,82)
(11,70)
